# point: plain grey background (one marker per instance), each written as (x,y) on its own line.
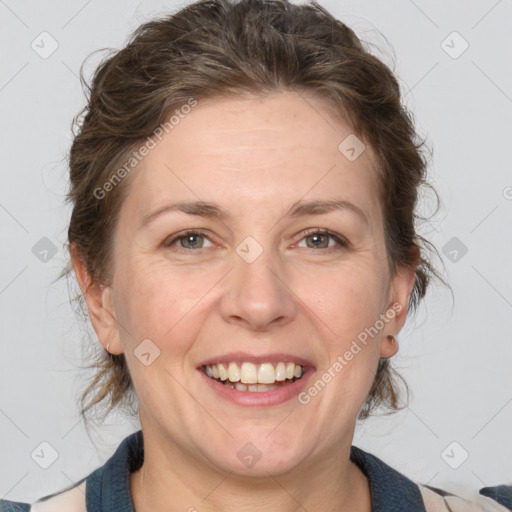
(456,356)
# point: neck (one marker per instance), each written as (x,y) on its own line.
(171,477)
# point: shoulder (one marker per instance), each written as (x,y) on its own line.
(501,493)
(438,500)
(71,499)
(392,491)
(12,506)
(108,482)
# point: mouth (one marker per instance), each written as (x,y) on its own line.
(256,381)
(257,378)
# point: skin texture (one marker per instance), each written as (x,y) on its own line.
(255,157)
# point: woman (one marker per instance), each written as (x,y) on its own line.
(243,186)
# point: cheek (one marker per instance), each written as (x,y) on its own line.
(346,300)
(156,303)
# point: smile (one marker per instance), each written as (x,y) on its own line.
(247,376)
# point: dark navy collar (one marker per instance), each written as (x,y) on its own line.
(390,490)
(108,487)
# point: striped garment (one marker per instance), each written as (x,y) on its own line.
(107,489)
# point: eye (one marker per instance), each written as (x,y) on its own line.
(320,240)
(187,240)
(194,240)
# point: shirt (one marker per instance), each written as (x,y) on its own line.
(107,488)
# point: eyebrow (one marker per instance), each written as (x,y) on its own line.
(213,210)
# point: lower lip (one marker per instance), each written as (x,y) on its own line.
(259,398)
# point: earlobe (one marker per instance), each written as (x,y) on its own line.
(389,346)
(99,304)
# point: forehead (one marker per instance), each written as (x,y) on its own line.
(254,151)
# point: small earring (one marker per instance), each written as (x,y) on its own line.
(108,345)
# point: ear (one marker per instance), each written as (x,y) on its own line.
(99,304)
(402,284)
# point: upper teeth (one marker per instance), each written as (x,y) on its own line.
(250,373)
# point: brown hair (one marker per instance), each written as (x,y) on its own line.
(216,48)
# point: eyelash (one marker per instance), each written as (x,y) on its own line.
(342,242)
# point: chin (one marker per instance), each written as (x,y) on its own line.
(258,452)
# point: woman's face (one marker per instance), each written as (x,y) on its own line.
(255,283)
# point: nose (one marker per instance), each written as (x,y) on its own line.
(258,295)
